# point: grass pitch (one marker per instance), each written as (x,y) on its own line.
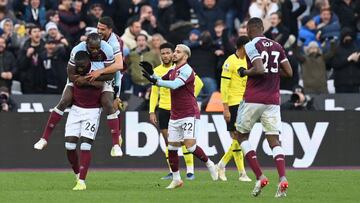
(146,186)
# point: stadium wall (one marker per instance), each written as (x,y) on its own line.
(319,138)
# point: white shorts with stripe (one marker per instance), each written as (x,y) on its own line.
(250,113)
(82,122)
(183,129)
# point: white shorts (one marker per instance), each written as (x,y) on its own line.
(183,129)
(250,113)
(107,85)
(82,122)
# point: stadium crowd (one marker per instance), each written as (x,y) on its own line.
(36,37)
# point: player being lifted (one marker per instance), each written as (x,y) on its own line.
(184,114)
(83,120)
(101,53)
(232,91)
(161,96)
(261,101)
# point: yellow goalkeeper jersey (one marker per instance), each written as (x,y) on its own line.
(161,95)
(232,86)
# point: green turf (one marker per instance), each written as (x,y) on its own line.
(139,186)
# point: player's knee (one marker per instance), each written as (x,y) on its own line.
(85,146)
(70,146)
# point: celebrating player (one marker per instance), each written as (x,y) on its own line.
(83,120)
(101,53)
(161,95)
(232,91)
(184,114)
(261,101)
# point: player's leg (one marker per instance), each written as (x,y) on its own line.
(235,146)
(271,121)
(248,114)
(55,116)
(189,162)
(239,160)
(72,155)
(220,167)
(190,129)
(174,139)
(163,118)
(107,99)
(72,134)
(85,159)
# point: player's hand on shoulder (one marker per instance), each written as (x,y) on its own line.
(147,67)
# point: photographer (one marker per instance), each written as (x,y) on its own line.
(298,101)
(6,103)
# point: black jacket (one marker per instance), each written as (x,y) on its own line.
(9,65)
(279,34)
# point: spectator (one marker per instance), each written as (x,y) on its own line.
(54,60)
(242,31)
(347,12)
(35,13)
(307,32)
(6,102)
(299,101)
(277,31)
(317,6)
(290,15)
(96,12)
(70,21)
(193,40)
(166,15)
(141,53)
(31,72)
(7,65)
(327,26)
(157,40)
(262,9)
(13,40)
(6,11)
(207,13)
(234,9)
(53,34)
(53,16)
(148,20)
(313,66)
(345,62)
(204,62)
(131,32)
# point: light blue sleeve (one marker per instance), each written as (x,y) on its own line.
(184,74)
(251,50)
(108,50)
(80,47)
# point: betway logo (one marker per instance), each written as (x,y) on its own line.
(309,144)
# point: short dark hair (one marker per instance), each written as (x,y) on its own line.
(79,59)
(33,28)
(257,22)
(93,37)
(146,37)
(108,21)
(241,41)
(167,45)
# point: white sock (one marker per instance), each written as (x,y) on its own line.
(176,175)
(209,163)
(81,181)
(221,164)
(190,169)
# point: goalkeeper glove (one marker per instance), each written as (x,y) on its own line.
(149,78)
(147,67)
